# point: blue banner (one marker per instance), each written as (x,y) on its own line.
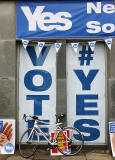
(65,19)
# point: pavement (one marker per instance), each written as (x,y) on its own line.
(45,155)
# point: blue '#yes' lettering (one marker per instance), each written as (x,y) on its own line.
(93,133)
(86,81)
(81,104)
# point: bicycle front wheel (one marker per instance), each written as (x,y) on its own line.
(28,143)
(70,141)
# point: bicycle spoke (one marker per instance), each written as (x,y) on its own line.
(28,148)
(68,143)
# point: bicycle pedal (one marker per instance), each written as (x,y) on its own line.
(48,149)
(54,147)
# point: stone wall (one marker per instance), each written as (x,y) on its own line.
(8,59)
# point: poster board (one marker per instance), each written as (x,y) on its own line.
(37,97)
(85,100)
(56,152)
(7,136)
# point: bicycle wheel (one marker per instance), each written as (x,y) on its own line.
(70,141)
(28,143)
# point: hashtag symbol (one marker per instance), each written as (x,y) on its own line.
(86,55)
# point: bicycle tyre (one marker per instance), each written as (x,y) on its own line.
(30,147)
(73,147)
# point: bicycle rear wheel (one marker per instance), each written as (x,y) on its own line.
(70,141)
(28,143)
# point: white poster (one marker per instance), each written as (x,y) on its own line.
(37,85)
(63,143)
(86,91)
(7,136)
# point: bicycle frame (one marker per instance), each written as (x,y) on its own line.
(61,138)
(36,126)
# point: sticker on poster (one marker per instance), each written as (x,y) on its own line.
(56,152)
(112,136)
(7,136)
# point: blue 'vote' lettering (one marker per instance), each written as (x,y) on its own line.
(47,80)
(37,102)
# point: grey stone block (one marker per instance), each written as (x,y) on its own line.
(7,98)
(17,158)
(111,99)
(112,88)
(7,58)
(7,19)
(112,59)
(98,156)
(77,157)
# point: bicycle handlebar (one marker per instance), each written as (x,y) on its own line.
(58,117)
(25,116)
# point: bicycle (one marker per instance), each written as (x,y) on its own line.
(64,142)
